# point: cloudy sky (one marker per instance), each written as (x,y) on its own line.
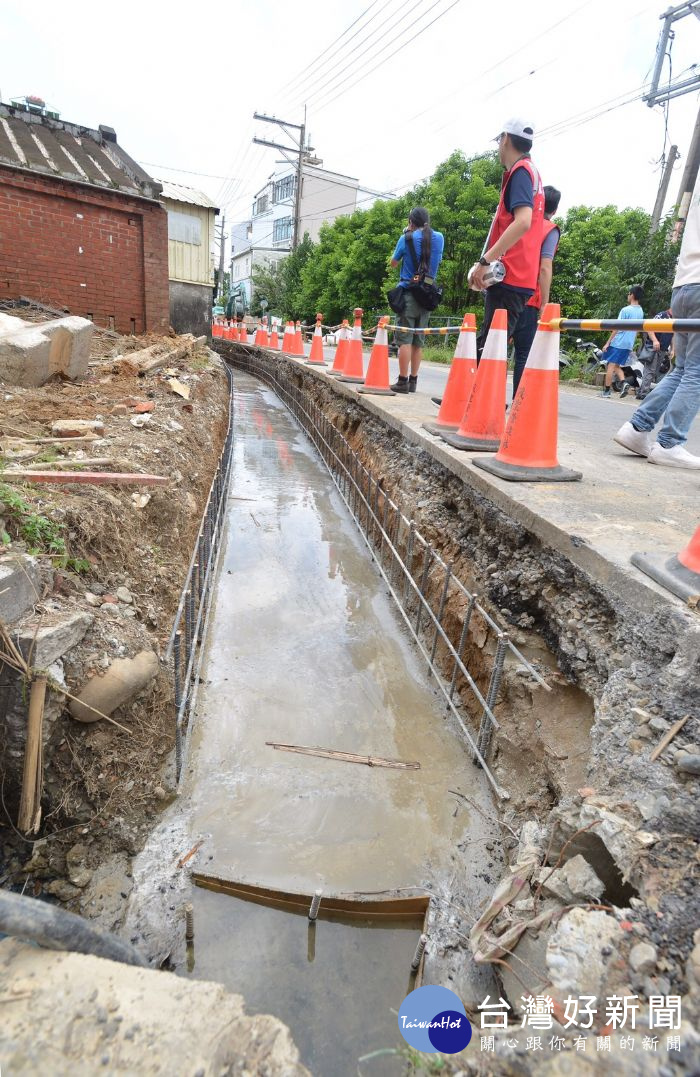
(391,87)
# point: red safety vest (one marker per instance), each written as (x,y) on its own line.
(522,261)
(547,227)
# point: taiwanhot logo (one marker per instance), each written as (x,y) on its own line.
(433,1019)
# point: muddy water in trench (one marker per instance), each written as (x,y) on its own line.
(305,647)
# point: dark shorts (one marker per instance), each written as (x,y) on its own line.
(413,318)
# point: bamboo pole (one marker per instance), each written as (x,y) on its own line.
(30,801)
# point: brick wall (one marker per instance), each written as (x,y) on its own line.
(100,254)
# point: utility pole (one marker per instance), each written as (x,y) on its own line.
(300,149)
(673,156)
(690,174)
(222,245)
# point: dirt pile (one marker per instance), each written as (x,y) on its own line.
(113,556)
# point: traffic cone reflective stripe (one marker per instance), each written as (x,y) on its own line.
(234,332)
(298,341)
(354,367)
(244,333)
(341,351)
(316,353)
(274,336)
(484,417)
(377,380)
(460,381)
(528,451)
(679,574)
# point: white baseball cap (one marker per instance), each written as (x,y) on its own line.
(519,127)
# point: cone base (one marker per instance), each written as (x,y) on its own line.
(519,473)
(316,362)
(335,374)
(459,441)
(377,392)
(440,428)
(670,573)
(358,381)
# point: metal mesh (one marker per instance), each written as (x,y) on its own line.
(421,583)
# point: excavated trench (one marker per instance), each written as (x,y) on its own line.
(314,642)
(573,760)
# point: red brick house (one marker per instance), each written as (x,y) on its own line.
(81,225)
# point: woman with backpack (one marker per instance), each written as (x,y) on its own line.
(419,253)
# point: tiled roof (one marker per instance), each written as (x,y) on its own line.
(70,152)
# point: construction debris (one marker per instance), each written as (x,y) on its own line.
(344,757)
(93,478)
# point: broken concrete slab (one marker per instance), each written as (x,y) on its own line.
(20,585)
(30,354)
(119,1019)
(42,645)
(76,428)
(124,679)
(574,881)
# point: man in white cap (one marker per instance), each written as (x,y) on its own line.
(515,237)
(677,397)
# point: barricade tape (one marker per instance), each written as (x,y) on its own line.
(648,325)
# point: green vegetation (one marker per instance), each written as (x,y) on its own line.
(602,252)
(40,534)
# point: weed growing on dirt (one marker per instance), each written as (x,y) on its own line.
(40,534)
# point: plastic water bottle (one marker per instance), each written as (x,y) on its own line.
(493,273)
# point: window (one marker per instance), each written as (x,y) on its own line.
(282,230)
(283,189)
(184,227)
(260,205)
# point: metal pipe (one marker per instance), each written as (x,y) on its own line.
(315,905)
(420,950)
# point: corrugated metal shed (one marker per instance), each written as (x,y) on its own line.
(67,151)
(179,193)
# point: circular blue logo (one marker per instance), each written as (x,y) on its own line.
(433,1019)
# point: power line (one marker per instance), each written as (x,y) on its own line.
(184,171)
(324,55)
(391,45)
(307,93)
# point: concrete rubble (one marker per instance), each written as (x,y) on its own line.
(30,354)
(125,1020)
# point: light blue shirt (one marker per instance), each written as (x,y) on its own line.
(403,255)
(623,338)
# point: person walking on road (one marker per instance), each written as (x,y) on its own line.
(515,236)
(677,397)
(658,350)
(526,327)
(428,246)
(619,344)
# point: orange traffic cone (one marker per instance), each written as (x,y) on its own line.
(288,339)
(679,574)
(316,353)
(274,336)
(257,339)
(484,417)
(215,329)
(354,368)
(243,333)
(341,352)
(377,380)
(233,329)
(528,451)
(298,341)
(460,381)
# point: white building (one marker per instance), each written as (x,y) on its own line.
(267,237)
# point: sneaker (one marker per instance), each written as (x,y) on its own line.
(624,390)
(400,386)
(638,441)
(606,393)
(412,383)
(436,400)
(676,456)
